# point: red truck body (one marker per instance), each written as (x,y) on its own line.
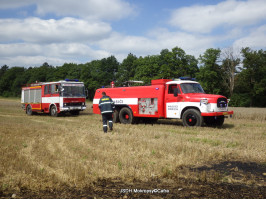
(164,98)
(54,97)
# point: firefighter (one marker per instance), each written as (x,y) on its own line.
(107,107)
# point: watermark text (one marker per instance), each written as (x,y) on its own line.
(144,191)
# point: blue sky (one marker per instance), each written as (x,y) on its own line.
(63,31)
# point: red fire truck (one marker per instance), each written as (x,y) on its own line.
(182,98)
(54,97)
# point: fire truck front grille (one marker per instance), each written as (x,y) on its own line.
(72,104)
(222,103)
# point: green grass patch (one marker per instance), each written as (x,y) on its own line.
(205,141)
(232,144)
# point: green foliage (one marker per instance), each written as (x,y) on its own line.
(11,80)
(67,70)
(240,100)
(251,82)
(245,87)
(229,65)
(126,70)
(147,68)
(176,63)
(169,64)
(210,74)
(3,70)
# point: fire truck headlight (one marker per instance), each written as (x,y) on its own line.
(204,101)
(65,104)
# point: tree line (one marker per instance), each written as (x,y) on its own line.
(240,77)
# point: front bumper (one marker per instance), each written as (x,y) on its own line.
(70,108)
(216,113)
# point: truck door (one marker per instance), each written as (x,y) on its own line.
(172,102)
(51,96)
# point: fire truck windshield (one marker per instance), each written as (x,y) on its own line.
(191,88)
(72,90)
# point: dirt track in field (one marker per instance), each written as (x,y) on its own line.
(174,187)
(179,189)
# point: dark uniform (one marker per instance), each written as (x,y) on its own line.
(107,108)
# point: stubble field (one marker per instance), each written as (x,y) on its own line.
(70,157)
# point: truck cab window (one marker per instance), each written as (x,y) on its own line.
(47,89)
(171,89)
(52,89)
(56,88)
(191,88)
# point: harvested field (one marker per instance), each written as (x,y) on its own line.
(70,157)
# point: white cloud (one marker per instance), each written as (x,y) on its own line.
(28,54)
(36,40)
(81,32)
(118,43)
(32,61)
(205,18)
(89,9)
(7,4)
(191,43)
(155,41)
(49,31)
(256,39)
(86,9)
(74,37)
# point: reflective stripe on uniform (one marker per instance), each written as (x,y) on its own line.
(108,111)
(105,103)
(106,99)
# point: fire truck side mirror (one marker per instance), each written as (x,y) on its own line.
(86,93)
(175,92)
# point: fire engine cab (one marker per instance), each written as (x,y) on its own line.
(181,98)
(54,97)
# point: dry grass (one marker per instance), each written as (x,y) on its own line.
(41,151)
(258,114)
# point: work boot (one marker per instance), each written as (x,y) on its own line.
(105,128)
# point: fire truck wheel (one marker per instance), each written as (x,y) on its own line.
(219,121)
(126,116)
(74,112)
(116,116)
(192,117)
(29,110)
(53,111)
(214,121)
(209,121)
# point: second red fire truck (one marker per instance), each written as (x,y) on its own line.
(183,99)
(54,97)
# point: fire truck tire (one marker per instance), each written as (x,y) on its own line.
(209,121)
(29,110)
(126,116)
(74,112)
(214,121)
(116,116)
(53,111)
(192,117)
(219,121)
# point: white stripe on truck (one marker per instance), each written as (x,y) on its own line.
(119,101)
